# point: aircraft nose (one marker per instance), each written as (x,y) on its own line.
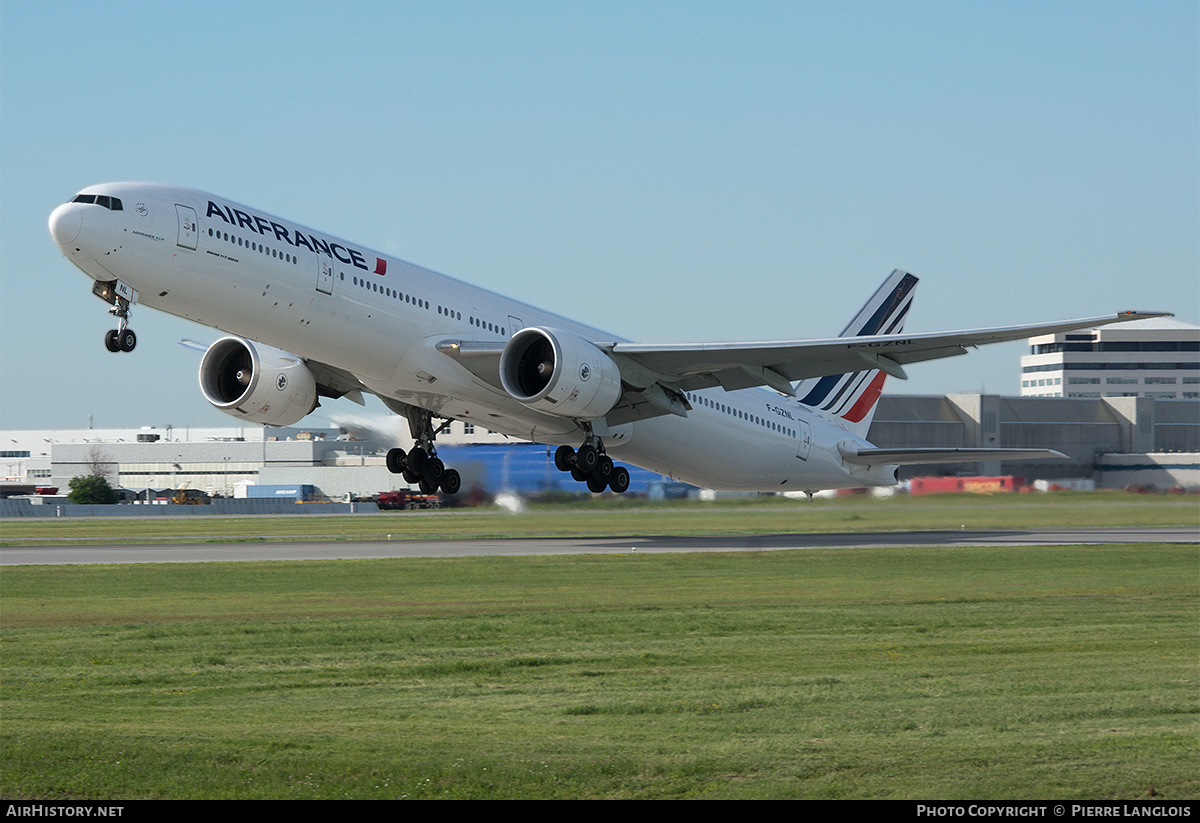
(65,223)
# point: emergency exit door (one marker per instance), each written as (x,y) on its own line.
(189,227)
(324,275)
(804,446)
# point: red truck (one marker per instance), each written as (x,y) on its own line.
(407,500)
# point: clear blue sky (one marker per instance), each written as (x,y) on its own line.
(669,171)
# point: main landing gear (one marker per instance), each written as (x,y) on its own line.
(592,466)
(422,465)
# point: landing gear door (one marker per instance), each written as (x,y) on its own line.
(804,445)
(188,226)
(324,275)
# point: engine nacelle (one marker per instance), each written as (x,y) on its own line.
(560,373)
(257,382)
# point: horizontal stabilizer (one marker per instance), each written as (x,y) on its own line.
(914,457)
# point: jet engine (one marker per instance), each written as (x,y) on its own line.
(257,382)
(560,373)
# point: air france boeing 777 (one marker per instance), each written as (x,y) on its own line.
(311,316)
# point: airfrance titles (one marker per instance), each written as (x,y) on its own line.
(237,218)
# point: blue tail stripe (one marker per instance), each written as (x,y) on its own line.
(895,302)
(838,394)
(824,387)
(898,295)
(849,391)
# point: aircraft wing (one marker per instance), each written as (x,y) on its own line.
(656,374)
(691,366)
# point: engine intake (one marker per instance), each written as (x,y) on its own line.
(560,373)
(256,382)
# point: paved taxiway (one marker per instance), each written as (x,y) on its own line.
(334,550)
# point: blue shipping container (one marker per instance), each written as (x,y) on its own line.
(299,491)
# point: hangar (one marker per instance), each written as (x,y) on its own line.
(1090,431)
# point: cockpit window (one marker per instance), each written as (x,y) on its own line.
(111,203)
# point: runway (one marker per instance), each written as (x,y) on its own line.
(373,549)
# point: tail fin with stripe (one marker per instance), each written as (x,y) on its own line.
(851,398)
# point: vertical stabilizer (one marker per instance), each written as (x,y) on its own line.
(851,398)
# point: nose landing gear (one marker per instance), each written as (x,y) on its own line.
(121,338)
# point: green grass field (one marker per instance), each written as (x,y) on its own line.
(618,517)
(996,673)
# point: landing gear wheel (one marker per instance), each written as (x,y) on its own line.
(416,460)
(434,469)
(619,481)
(564,458)
(427,486)
(595,484)
(451,482)
(112,340)
(395,460)
(127,340)
(604,468)
(586,458)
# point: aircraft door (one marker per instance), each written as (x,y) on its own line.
(189,227)
(804,446)
(324,274)
(514,325)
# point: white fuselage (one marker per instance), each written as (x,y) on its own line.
(380,319)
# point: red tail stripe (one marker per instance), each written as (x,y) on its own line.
(864,403)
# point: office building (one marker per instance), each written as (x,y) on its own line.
(1158,358)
